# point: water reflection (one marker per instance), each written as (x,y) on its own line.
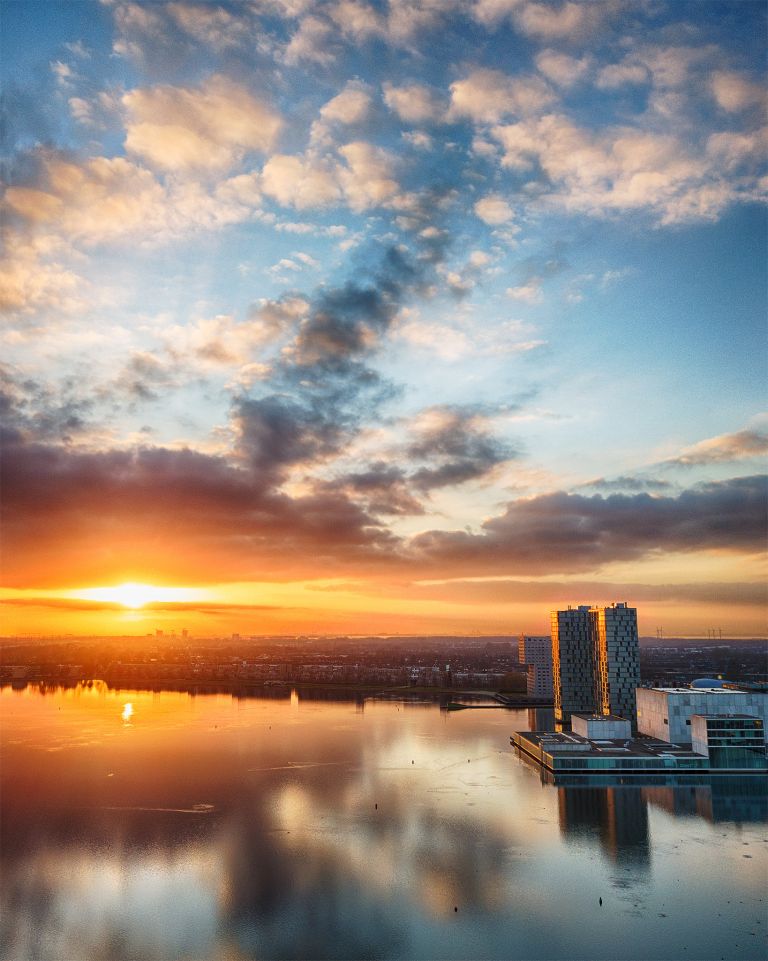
(616,816)
(723,798)
(225,827)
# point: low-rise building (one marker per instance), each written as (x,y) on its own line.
(666,712)
(600,726)
(572,754)
(730,741)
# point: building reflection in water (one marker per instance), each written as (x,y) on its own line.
(541,719)
(743,800)
(616,816)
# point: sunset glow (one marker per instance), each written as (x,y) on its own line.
(363,316)
(137,595)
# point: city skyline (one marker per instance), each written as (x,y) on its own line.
(366,317)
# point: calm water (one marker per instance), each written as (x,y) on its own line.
(146,826)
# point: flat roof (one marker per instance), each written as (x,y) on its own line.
(694,690)
(615,747)
(733,717)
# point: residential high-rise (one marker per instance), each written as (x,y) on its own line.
(573,666)
(536,653)
(596,661)
(617,653)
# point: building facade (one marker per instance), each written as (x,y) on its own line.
(666,712)
(536,653)
(596,661)
(573,664)
(617,653)
(730,741)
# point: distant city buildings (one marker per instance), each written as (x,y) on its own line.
(535,651)
(595,661)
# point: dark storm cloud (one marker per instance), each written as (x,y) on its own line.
(382,487)
(277,432)
(572,532)
(346,321)
(458,448)
(28,408)
(75,514)
(323,387)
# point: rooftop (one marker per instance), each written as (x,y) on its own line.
(692,690)
(637,747)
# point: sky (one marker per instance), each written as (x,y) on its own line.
(366,317)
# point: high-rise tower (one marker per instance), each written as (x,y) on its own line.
(573,666)
(536,652)
(617,654)
(596,661)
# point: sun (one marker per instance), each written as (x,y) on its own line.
(133,595)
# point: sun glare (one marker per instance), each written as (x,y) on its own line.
(134,595)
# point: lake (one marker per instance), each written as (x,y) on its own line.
(145,826)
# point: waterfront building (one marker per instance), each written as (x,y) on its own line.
(536,652)
(572,754)
(596,661)
(617,654)
(601,726)
(666,712)
(731,741)
(573,664)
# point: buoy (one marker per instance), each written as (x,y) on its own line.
(456,910)
(601,901)
(376,807)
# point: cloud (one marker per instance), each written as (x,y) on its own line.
(550,594)
(561,68)
(208,128)
(414,103)
(571,532)
(493,210)
(351,106)
(33,409)
(616,75)
(624,169)
(741,445)
(734,92)
(363,178)
(162,512)
(446,342)
(457,446)
(368,178)
(357,20)
(568,21)
(628,483)
(529,293)
(310,42)
(299,182)
(145,377)
(222,341)
(213,26)
(382,488)
(35,282)
(486,96)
